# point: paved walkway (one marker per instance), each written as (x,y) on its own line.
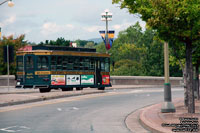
(152,119)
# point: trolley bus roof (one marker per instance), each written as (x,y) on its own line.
(56,52)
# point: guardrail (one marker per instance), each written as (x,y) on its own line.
(116,80)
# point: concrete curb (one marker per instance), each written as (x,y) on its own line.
(146,123)
(132,122)
(48,98)
(153,122)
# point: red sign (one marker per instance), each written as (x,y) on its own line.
(105,79)
(57,79)
(26,48)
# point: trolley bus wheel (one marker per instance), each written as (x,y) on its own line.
(79,88)
(67,89)
(101,88)
(43,90)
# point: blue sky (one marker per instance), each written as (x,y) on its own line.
(42,20)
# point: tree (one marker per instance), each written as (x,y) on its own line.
(82,43)
(174,20)
(59,42)
(101,48)
(196,62)
(90,45)
(17,44)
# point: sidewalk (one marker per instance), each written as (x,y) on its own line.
(155,121)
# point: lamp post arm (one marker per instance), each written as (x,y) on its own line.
(4,2)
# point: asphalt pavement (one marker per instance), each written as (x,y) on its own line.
(150,117)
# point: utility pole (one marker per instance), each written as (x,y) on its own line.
(168,106)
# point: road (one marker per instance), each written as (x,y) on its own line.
(99,113)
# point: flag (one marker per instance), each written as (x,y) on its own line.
(102,33)
(0,32)
(110,38)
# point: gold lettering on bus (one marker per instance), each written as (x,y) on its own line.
(29,77)
(20,73)
(42,72)
(29,74)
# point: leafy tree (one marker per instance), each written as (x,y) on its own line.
(17,44)
(143,47)
(59,42)
(90,45)
(196,62)
(101,48)
(82,43)
(174,20)
(127,67)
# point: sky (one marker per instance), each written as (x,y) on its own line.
(42,20)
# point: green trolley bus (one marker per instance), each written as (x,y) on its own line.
(48,67)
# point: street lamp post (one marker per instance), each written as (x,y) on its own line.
(168,106)
(10,4)
(106,16)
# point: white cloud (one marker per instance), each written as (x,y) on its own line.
(93,28)
(125,25)
(52,28)
(8,21)
(117,27)
(122,26)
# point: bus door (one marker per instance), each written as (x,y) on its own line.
(29,69)
(98,72)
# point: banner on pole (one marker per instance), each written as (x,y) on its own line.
(109,40)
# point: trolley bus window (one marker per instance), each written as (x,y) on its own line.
(65,62)
(59,63)
(53,62)
(102,65)
(76,64)
(42,63)
(29,63)
(70,64)
(92,64)
(107,65)
(19,63)
(86,64)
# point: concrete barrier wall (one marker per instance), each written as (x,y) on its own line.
(115,80)
(4,80)
(144,80)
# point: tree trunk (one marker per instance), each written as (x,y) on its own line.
(189,72)
(185,88)
(197,81)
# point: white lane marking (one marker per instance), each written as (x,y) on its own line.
(14,129)
(75,108)
(59,109)
(136,91)
(7,129)
(148,95)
